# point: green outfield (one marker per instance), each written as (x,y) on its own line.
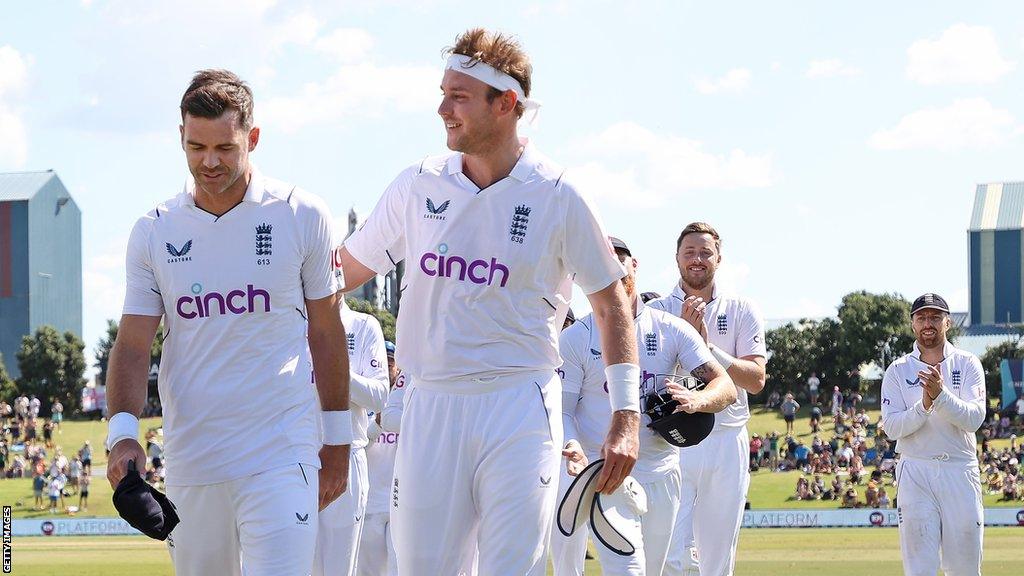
(762,552)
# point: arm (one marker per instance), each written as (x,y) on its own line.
(127,382)
(391,416)
(899,420)
(571,374)
(717,395)
(618,342)
(379,244)
(748,369)
(969,412)
(356,274)
(369,381)
(330,370)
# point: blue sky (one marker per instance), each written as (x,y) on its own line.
(835,147)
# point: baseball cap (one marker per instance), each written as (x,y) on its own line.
(619,245)
(929,300)
(648,296)
(570,316)
(390,347)
(144,507)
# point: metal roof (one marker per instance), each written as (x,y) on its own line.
(23,185)
(998,206)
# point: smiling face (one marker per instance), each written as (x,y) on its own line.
(930,327)
(475,119)
(217,151)
(698,259)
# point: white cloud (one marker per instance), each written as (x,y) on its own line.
(649,168)
(966,123)
(734,81)
(831,68)
(776,66)
(13,134)
(962,55)
(365,89)
(300,28)
(346,45)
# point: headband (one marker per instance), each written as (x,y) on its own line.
(495,78)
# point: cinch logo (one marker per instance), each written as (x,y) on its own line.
(47,528)
(477,271)
(234,302)
(876,518)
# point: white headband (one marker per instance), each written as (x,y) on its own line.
(495,78)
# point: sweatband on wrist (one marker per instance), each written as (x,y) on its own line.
(337,427)
(120,426)
(723,358)
(623,386)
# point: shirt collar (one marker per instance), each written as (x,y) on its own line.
(522,170)
(679,293)
(947,351)
(254,192)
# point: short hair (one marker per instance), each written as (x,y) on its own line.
(213,92)
(501,52)
(700,228)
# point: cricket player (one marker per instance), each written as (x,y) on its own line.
(668,341)
(715,473)
(494,233)
(240,268)
(376,550)
(933,402)
(342,523)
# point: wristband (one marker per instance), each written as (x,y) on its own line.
(623,386)
(723,357)
(120,426)
(337,427)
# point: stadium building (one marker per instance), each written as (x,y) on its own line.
(996,258)
(40,259)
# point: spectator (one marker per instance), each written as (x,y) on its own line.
(18,467)
(789,408)
(38,485)
(837,404)
(845,456)
(871,495)
(995,481)
(55,493)
(818,487)
(57,415)
(773,447)
(803,489)
(75,473)
(815,418)
(154,449)
(850,497)
(856,469)
(834,491)
(755,451)
(883,498)
(83,493)
(33,406)
(15,431)
(812,387)
(86,455)
(1011,489)
(773,400)
(30,429)
(5,414)
(802,457)
(48,434)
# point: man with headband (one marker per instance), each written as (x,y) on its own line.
(494,234)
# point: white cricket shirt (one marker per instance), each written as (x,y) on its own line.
(947,431)
(487,270)
(234,379)
(368,369)
(663,342)
(736,327)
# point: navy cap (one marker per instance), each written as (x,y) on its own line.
(929,300)
(620,245)
(390,347)
(648,296)
(570,316)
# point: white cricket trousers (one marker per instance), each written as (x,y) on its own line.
(341,523)
(480,462)
(267,520)
(715,478)
(941,516)
(376,550)
(568,554)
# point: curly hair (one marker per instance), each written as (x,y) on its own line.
(500,51)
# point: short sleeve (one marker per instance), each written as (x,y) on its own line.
(142,294)
(571,371)
(750,333)
(691,351)
(586,251)
(379,244)
(321,277)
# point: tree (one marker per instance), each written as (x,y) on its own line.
(386,319)
(993,357)
(52,365)
(799,349)
(867,323)
(8,388)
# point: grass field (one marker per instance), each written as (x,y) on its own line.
(762,552)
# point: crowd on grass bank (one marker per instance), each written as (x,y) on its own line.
(30,448)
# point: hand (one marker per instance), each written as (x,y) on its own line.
(333,473)
(693,312)
(689,400)
(931,385)
(619,451)
(120,454)
(575,459)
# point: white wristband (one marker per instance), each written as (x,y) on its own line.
(623,386)
(337,427)
(723,358)
(120,426)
